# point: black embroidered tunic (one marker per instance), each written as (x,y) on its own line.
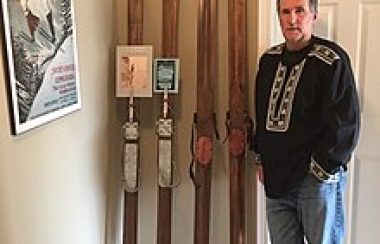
(306,107)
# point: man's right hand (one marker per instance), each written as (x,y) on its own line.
(260,173)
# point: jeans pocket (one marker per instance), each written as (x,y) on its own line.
(313,188)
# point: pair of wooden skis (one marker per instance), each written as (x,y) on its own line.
(236,118)
(204,117)
(165,127)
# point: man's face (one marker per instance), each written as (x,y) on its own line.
(296,20)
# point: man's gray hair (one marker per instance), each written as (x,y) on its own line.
(313,4)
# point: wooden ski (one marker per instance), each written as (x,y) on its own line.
(135,36)
(204,118)
(237,117)
(165,127)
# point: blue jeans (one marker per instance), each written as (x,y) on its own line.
(312,211)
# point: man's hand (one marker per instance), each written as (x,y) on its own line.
(260,172)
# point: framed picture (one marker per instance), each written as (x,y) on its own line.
(166,73)
(40,43)
(134,71)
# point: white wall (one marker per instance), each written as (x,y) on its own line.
(53,180)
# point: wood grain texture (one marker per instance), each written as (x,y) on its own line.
(170,13)
(237,38)
(135,37)
(206,79)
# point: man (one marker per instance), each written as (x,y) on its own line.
(127,73)
(307,114)
(34,11)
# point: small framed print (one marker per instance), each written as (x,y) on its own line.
(134,71)
(166,75)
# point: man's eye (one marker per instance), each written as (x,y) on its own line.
(285,11)
(300,10)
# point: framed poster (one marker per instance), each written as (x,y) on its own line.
(43,80)
(134,71)
(166,73)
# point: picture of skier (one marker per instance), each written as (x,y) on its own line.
(134,71)
(36,11)
(127,73)
(42,54)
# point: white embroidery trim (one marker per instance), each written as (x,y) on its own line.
(279,122)
(276,49)
(324,53)
(321,174)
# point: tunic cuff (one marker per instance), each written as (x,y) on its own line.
(257,158)
(320,173)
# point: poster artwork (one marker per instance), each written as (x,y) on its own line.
(42,62)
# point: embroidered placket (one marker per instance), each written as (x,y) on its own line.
(278,119)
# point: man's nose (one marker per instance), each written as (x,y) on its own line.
(292,18)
